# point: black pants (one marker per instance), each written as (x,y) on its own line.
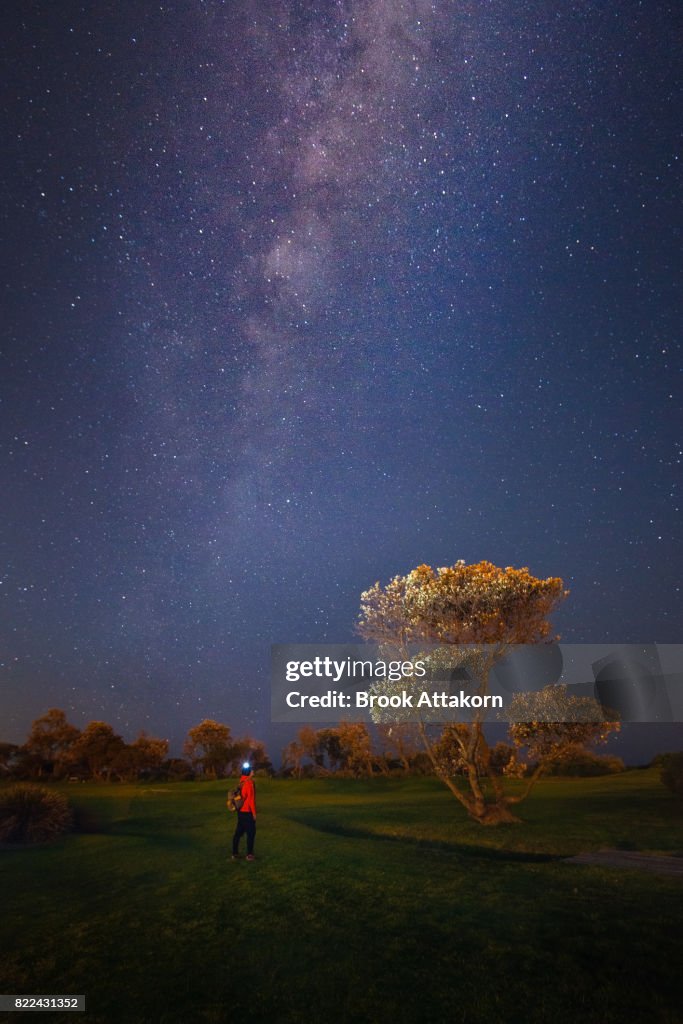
(246,822)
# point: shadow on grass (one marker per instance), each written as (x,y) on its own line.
(172,833)
(166,836)
(435,845)
(86,823)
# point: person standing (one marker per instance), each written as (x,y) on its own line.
(246,816)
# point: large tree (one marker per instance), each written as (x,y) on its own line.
(474,614)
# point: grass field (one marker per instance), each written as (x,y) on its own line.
(370,901)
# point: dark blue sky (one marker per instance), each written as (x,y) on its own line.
(300,295)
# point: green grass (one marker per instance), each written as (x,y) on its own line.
(371,901)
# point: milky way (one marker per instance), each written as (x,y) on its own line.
(350,83)
(299,296)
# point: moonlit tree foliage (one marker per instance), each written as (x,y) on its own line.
(54,749)
(398,741)
(209,747)
(304,746)
(489,609)
(49,743)
(551,722)
(98,749)
(215,753)
(144,756)
(346,748)
(356,747)
(461,604)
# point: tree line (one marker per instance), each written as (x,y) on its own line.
(56,749)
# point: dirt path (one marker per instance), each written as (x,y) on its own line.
(661,865)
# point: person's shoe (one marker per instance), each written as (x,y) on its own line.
(236,856)
(250,856)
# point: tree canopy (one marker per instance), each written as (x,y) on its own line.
(461,604)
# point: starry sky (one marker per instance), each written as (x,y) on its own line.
(299,295)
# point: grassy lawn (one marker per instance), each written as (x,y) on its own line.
(370,901)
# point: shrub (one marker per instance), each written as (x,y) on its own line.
(176,769)
(671,772)
(32,814)
(584,763)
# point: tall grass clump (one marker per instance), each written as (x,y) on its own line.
(32,814)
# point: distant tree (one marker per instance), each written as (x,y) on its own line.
(49,742)
(253,751)
(27,765)
(292,759)
(329,754)
(210,748)
(151,752)
(346,747)
(309,741)
(580,762)
(8,755)
(503,760)
(355,748)
(258,757)
(239,753)
(176,769)
(305,746)
(457,607)
(422,764)
(124,766)
(384,760)
(142,757)
(96,751)
(400,740)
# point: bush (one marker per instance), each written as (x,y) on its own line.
(671,772)
(584,763)
(32,814)
(176,769)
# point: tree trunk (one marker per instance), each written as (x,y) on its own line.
(495,814)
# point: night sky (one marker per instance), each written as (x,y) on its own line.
(300,295)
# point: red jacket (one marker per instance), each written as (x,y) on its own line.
(249,794)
